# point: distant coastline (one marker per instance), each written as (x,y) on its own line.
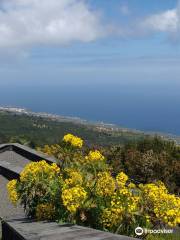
(106,127)
(61,118)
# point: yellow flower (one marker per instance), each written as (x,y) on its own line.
(73,140)
(94,156)
(73,198)
(123,204)
(121,179)
(75,178)
(11,187)
(52,150)
(37,170)
(165,206)
(111,217)
(105,185)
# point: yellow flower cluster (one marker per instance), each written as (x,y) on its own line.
(105,185)
(75,178)
(172,214)
(111,217)
(45,211)
(73,140)
(73,198)
(94,156)
(12,192)
(123,203)
(165,206)
(121,179)
(50,150)
(35,170)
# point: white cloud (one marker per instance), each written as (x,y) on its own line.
(165,22)
(25,23)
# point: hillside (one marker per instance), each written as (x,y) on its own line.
(39,130)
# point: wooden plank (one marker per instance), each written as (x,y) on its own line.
(33,230)
(26,152)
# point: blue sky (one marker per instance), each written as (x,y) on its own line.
(92,40)
(111,60)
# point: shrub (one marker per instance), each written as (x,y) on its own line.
(83,190)
(148,160)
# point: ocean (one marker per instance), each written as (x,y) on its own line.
(148,107)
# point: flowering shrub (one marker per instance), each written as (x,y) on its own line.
(74,178)
(165,207)
(73,140)
(36,170)
(123,207)
(11,187)
(38,184)
(121,179)
(82,190)
(52,150)
(105,185)
(94,156)
(73,198)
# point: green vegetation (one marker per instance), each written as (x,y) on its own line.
(143,158)
(148,160)
(38,131)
